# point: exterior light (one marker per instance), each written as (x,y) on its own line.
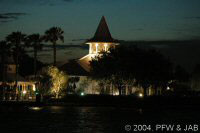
(34,88)
(82,94)
(106,45)
(168,88)
(97,48)
(116,93)
(140,95)
(35,108)
(90,50)
(24,92)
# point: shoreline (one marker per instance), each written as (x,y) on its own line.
(154,102)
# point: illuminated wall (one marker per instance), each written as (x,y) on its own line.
(96,48)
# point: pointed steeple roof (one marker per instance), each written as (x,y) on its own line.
(102,33)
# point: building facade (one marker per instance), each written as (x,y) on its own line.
(12,85)
(102,41)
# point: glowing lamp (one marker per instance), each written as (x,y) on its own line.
(140,95)
(24,92)
(82,94)
(168,88)
(34,88)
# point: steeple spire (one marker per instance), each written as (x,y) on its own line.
(102,41)
(102,33)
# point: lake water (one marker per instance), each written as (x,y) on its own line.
(61,119)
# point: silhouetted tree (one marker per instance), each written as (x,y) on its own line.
(153,69)
(196,78)
(34,41)
(72,84)
(16,39)
(83,85)
(123,65)
(53,35)
(44,84)
(26,65)
(181,74)
(180,83)
(4,52)
(114,67)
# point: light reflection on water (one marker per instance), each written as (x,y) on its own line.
(35,108)
(81,119)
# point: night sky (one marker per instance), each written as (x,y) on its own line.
(128,20)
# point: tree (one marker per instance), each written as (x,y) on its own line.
(181,74)
(59,80)
(153,69)
(195,80)
(53,35)
(83,84)
(26,65)
(125,65)
(72,84)
(112,67)
(44,83)
(16,40)
(4,52)
(180,83)
(34,41)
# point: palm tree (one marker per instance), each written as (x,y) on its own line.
(34,41)
(4,51)
(16,40)
(53,35)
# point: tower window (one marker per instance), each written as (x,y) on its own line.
(106,47)
(97,47)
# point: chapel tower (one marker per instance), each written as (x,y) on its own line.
(102,41)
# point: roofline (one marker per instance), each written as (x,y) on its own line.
(89,42)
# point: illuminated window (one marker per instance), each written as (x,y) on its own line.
(106,47)
(97,47)
(90,48)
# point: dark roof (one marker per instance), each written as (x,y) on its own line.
(73,68)
(102,33)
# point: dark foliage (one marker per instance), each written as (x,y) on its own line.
(195,78)
(196,71)
(181,74)
(125,65)
(26,65)
(53,35)
(5,50)
(34,41)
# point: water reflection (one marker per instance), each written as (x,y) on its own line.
(60,119)
(55,109)
(35,108)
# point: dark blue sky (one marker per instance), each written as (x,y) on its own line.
(127,19)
